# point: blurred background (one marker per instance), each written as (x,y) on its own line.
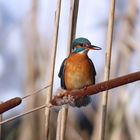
(26,37)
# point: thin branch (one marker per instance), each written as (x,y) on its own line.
(107,68)
(52,65)
(23,114)
(36,92)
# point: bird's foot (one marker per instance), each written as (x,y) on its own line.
(85,89)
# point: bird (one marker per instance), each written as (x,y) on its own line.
(77,70)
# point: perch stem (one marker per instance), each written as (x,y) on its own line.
(103,86)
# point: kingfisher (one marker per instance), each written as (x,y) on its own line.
(77,70)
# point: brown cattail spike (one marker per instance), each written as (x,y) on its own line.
(5,106)
(68,96)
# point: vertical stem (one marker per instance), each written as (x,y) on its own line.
(64,114)
(58,131)
(74,4)
(107,66)
(52,65)
(31,44)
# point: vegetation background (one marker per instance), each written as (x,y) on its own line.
(26,39)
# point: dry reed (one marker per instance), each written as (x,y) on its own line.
(107,67)
(52,66)
(31,50)
(124,54)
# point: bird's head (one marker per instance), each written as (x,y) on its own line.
(83,45)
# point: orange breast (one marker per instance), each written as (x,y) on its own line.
(77,72)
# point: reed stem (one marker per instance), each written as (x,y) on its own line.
(52,65)
(107,67)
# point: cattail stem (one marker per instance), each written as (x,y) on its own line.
(103,86)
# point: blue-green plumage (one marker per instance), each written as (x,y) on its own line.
(61,75)
(80,41)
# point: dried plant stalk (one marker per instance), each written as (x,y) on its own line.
(23,114)
(124,54)
(73,95)
(31,46)
(58,132)
(74,5)
(52,65)
(71,34)
(107,67)
(5,106)
(64,113)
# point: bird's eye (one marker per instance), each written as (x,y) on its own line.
(81,44)
(85,45)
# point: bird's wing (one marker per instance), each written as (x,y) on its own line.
(61,74)
(93,70)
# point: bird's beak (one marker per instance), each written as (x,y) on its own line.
(92,47)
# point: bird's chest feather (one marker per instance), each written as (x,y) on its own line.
(78,71)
